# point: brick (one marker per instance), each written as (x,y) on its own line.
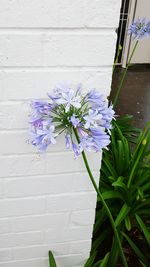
(49,184)
(24,165)
(19,142)
(99,14)
(22,207)
(6,255)
(71,202)
(38,186)
(59,14)
(69,165)
(81,218)
(32,252)
(1,188)
(13,115)
(34,83)
(79,49)
(56,13)
(28,52)
(57,49)
(40,222)
(78,246)
(70,260)
(27,263)
(68,234)
(21,239)
(5,226)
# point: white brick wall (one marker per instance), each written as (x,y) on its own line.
(48,202)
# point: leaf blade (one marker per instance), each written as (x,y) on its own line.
(52,262)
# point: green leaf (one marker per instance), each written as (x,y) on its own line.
(113,257)
(144,211)
(120,159)
(90,260)
(146,186)
(98,241)
(108,164)
(144,203)
(140,192)
(104,260)
(143,228)
(111,194)
(142,264)
(135,248)
(120,183)
(52,262)
(100,218)
(96,264)
(127,223)
(139,154)
(122,214)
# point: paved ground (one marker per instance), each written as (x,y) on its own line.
(135,95)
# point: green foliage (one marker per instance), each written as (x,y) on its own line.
(52,262)
(125,185)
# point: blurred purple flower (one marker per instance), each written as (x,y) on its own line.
(76,148)
(88,144)
(82,132)
(95,97)
(41,106)
(74,120)
(69,111)
(108,114)
(43,138)
(68,138)
(100,137)
(92,119)
(69,99)
(140,28)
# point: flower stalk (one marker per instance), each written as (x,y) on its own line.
(124,262)
(124,75)
(117,57)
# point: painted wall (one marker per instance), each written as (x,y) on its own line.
(48,202)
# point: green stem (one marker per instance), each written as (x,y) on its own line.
(124,75)
(124,262)
(117,57)
(138,155)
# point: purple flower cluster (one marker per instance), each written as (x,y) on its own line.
(140,28)
(70,111)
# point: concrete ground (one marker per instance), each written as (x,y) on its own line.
(135,95)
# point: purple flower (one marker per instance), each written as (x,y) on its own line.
(42,138)
(69,99)
(95,97)
(68,138)
(92,119)
(77,149)
(40,114)
(37,123)
(100,137)
(41,106)
(74,120)
(63,87)
(140,28)
(82,132)
(88,144)
(78,89)
(107,117)
(67,110)
(35,117)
